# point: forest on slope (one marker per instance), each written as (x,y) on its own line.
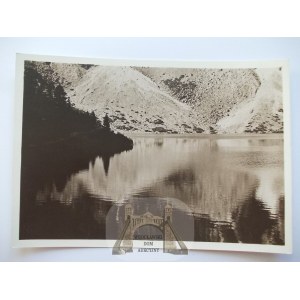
(49,116)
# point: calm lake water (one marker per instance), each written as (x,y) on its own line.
(221,190)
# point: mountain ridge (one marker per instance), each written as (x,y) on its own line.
(172,100)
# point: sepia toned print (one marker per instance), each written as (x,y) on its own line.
(208,142)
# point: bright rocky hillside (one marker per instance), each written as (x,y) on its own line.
(172,100)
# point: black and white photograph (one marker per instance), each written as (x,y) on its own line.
(100,141)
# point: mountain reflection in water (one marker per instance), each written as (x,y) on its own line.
(233,187)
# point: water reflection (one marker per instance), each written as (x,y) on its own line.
(254,223)
(234,188)
(106,159)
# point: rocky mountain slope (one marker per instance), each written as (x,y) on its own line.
(132,101)
(173,100)
(229,100)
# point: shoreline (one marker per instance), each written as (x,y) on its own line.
(205,136)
